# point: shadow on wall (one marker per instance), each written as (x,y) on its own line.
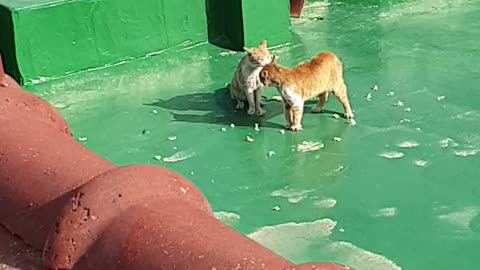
(224,23)
(7,45)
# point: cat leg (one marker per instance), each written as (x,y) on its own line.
(341,94)
(258,102)
(287,110)
(297,114)
(240,105)
(251,102)
(322,98)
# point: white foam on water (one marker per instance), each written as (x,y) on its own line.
(447,142)
(392,155)
(291,195)
(293,239)
(386,212)
(361,259)
(466,153)
(297,240)
(460,218)
(179,156)
(408,144)
(326,203)
(227,217)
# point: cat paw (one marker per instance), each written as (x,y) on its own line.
(349,115)
(260,112)
(251,111)
(317,110)
(296,128)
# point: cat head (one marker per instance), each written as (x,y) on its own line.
(267,75)
(259,56)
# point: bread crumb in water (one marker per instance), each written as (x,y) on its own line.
(390,94)
(232,125)
(440,98)
(375,87)
(336,116)
(270,153)
(369,97)
(83,139)
(337,139)
(256,128)
(353,122)
(157,157)
(282,131)
(172,138)
(154,111)
(407,109)
(276,208)
(249,139)
(224,129)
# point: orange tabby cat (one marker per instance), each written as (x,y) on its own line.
(316,78)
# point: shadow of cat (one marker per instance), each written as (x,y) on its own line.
(219,108)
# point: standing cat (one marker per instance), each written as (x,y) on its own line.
(322,74)
(245,84)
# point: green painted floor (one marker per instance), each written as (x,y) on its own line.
(346,202)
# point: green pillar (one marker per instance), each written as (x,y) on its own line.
(234,24)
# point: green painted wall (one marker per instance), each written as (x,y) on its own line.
(52,40)
(44,39)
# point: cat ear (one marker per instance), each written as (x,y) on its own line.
(247,50)
(263,44)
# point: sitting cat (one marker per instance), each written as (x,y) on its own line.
(322,74)
(245,84)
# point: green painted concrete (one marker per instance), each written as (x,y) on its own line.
(376,213)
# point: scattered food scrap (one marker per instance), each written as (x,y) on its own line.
(249,139)
(82,139)
(157,157)
(309,146)
(337,139)
(172,138)
(276,208)
(375,88)
(271,153)
(399,104)
(440,98)
(420,163)
(256,128)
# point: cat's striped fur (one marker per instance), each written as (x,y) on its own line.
(316,78)
(245,84)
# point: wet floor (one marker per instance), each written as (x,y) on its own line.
(399,190)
